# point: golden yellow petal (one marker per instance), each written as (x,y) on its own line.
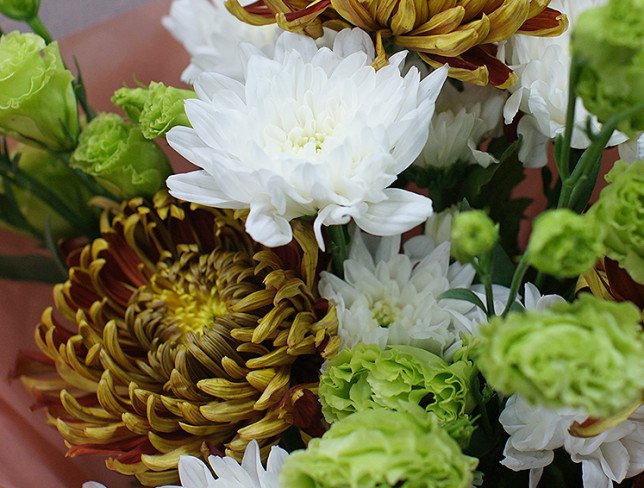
(225,389)
(506,20)
(275,390)
(260,378)
(453,44)
(404,19)
(441,23)
(229,411)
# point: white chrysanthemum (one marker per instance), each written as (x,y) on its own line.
(312,132)
(392,298)
(212,35)
(543,65)
(535,432)
(461,122)
(193,473)
(632,150)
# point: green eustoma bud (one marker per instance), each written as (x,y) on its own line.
(37,101)
(608,41)
(588,354)
(20,10)
(564,244)
(378,448)
(118,155)
(473,234)
(620,210)
(131,100)
(156,109)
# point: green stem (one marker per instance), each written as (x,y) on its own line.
(39,28)
(517,279)
(92,185)
(23,180)
(338,247)
(484,268)
(591,158)
(562,158)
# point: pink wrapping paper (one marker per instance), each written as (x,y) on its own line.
(132,47)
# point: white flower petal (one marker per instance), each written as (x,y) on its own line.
(401,211)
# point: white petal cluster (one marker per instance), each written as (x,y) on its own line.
(212,37)
(543,65)
(391,298)
(463,119)
(193,473)
(535,432)
(309,132)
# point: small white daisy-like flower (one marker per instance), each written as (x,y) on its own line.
(309,132)
(542,66)
(193,473)
(391,298)
(461,122)
(536,431)
(212,35)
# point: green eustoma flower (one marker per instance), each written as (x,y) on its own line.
(37,101)
(378,448)
(588,354)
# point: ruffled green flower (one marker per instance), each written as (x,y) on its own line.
(379,448)
(608,41)
(60,180)
(588,354)
(118,155)
(620,210)
(19,9)
(367,377)
(565,244)
(156,109)
(37,101)
(473,234)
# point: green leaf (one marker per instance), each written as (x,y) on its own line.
(463,294)
(30,267)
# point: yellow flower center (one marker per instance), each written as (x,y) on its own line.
(384,312)
(192,311)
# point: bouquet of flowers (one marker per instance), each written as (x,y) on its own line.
(345,293)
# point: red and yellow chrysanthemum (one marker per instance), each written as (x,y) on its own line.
(177,334)
(460,33)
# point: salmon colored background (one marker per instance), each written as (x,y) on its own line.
(131,47)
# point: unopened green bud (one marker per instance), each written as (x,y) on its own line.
(588,354)
(564,244)
(473,234)
(37,101)
(620,210)
(156,109)
(20,10)
(118,155)
(608,41)
(131,100)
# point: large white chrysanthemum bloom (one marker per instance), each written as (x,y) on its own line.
(391,298)
(309,132)
(535,432)
(212,35)
(461,122)
(542,66)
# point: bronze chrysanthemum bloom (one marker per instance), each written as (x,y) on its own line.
(461,33)
(181,335)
